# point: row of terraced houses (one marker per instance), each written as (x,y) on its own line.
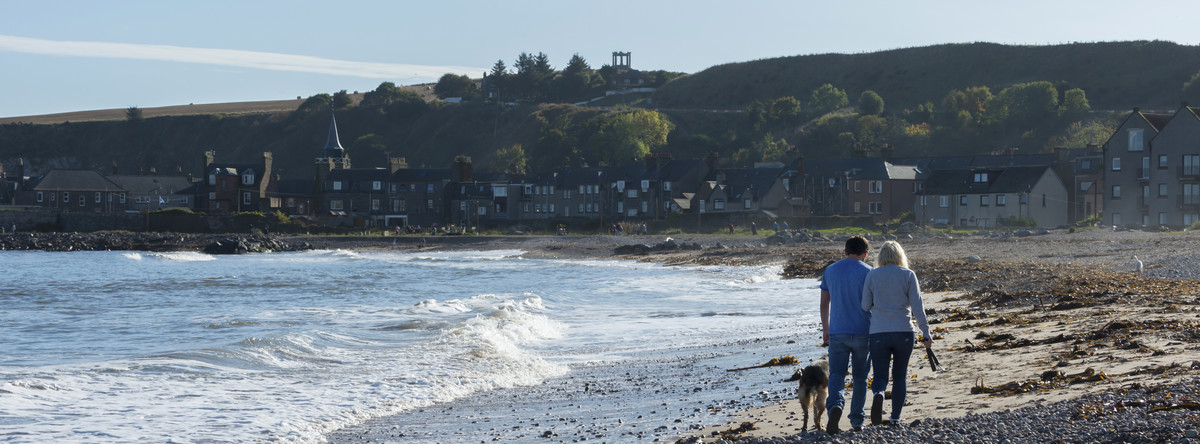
(1146,174)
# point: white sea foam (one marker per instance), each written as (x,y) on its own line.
(184,256)
(287,347)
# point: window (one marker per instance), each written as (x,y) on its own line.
(374,204)
(1191,194)
(1162,162)
(1162,218)
(621,206)
(1116,192)
(462,206)
(212,196)
(39,196)
(122,198)
(429,189)
(981,177)
(248,177)
(337,185)
(645,207)
(212,179)
(1116,164)
(632,194)
(856,186)
(551,208)
(183,200)
(1191,164)
(66,197)
(82,199)
(1001,200)
(581,210)
(1190,218)
(336,205)
(985,200)
(566,194)
(537,208)
(718,204)
(246,198)
(1085,164)
(645,185)
(481,210)
(1135,140)
(858,207)
(1144,172)
(747,204)
(97,197)
(1162,190)
(962,200)
(376,185)
(875,187)
(429,203)
(943,201)
(666,186)
(1116,219)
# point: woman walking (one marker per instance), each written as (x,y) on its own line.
(893,297)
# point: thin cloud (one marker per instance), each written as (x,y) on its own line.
(229,57)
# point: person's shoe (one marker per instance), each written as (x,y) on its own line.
(858,428)
(835,416)
(877,409)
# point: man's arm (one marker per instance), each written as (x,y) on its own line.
(825,317)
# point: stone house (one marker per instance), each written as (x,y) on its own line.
(1128,188)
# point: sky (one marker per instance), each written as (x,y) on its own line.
(63,56)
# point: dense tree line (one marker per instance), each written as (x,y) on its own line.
(532,79)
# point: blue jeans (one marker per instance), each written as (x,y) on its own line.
(893,348)
(843,351)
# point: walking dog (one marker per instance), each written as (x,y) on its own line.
(814,384)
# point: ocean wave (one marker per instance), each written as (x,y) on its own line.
(184,256)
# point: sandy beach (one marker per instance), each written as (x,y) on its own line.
(1022,322)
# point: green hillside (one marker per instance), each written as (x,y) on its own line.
(1034,98)
(1115,75)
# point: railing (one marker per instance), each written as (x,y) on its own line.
(1143,174)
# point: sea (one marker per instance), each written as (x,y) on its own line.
(121,346)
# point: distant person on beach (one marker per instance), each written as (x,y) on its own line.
(845,326)
(753,229)
(893,296)
(775,226)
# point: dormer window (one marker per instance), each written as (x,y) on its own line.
(248,177)
(981,177)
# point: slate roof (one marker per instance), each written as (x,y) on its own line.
(152,184)
(748,180)
(74,180)
(961,181)
(421,175)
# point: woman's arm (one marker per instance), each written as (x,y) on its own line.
(918,306)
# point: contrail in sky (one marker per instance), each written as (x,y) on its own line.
(229,57)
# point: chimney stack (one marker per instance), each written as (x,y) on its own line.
(463,170)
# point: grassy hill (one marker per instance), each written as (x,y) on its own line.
(1115,75)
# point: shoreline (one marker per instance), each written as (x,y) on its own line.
(1022,321)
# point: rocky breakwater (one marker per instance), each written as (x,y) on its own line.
(109,241)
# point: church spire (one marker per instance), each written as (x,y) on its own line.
(333,152)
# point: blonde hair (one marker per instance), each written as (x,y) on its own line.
(892,254)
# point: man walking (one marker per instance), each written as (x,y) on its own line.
(845,328)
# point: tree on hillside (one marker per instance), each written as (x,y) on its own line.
(626,135)
(341,100)
(966,107)
(1027,105)
(454,85)
(510,160)
(869,103)
(827,98)
(133,114)
(786,110)
(385,94)
(533,75)
(1191,90)
(500,79)
(869,130)
(1074,105)
(577,81)
(369,150)
(1082,134)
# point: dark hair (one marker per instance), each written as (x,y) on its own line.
(857,245)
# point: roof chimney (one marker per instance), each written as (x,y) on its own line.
(713,160)
(463,170)
(396,163)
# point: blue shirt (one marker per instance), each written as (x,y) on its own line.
(844,281)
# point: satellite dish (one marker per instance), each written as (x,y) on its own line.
(832,183)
